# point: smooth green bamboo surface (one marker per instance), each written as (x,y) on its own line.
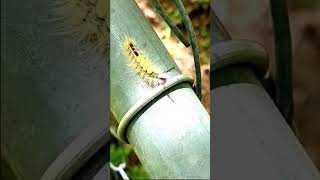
(128,21)
(171,136)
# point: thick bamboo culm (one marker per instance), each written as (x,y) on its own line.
(171,134)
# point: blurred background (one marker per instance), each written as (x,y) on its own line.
(198,11)
(251,19)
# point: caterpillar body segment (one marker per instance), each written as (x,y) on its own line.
(141,64)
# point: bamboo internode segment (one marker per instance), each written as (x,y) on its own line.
(166,125)
(147,99)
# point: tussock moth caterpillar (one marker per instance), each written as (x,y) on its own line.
(141,64)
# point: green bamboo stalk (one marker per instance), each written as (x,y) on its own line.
(187,22)
(173,27)
(170,135)
(283,77)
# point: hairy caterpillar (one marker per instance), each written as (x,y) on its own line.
(141,64)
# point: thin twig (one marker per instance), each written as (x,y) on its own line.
(187,22)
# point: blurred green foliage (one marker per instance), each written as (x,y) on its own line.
(123,153)
(204,3)
(119,154)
